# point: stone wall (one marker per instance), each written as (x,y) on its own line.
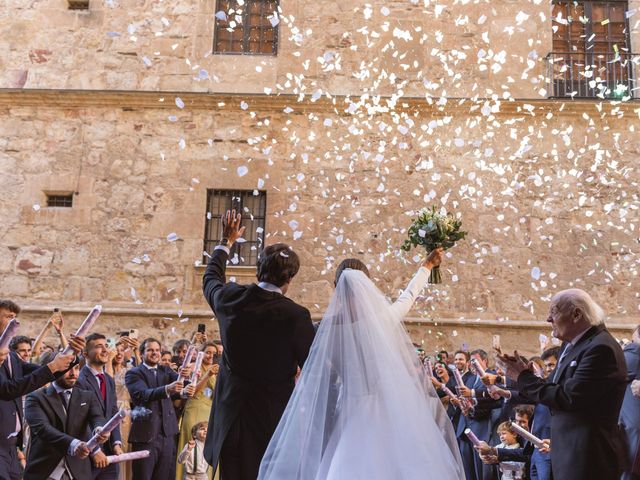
(345,151)
(454,48)
(549,198)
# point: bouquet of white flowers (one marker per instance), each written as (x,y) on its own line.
(433,230)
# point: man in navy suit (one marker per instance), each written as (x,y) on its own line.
(478,420)
(152,387)
(93,378)
(17,378)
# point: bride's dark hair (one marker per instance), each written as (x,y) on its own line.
(353,264)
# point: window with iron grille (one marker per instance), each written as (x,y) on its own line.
(246,28)
(252,204)
(57,200)
(591,49)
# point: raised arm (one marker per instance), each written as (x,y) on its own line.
(214,276)
(405,301)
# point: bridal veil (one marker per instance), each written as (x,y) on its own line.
(363,407)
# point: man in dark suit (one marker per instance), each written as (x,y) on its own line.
(17,378)
(479,420)
(250,395)
(584,393)
(61,418)
(154,425)
(630,412)
(93,378)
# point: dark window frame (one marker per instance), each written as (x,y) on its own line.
(236,199)
(246,28)
(59,200)
(577,49)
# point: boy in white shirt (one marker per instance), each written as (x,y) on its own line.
(509,439)
(192,455)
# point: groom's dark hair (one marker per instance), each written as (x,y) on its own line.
(277,264)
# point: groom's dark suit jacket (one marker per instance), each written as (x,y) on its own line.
(266,336)
(585,400)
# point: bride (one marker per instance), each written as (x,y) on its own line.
(363,409)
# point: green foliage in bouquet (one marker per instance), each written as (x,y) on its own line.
(432,230)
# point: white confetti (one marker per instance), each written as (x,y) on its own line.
(535,273)
(179,102)
(172,237)
(242,171)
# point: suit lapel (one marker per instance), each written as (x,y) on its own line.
(91,379)
(56,404)
(576,350)
(73,410)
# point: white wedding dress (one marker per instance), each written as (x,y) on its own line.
(363,409)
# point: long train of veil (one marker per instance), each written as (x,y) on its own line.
(363,407)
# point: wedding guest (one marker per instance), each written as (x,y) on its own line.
(95,379)
(510,470)
(22,346)
(117,368)
(192,455)
(630,412)
(152,387)
(519,454)
(198,408)
(180,351)
(17,378)
(166,359)
(585,392)
(61,418)
(479,420)
(57,322)
(550,358)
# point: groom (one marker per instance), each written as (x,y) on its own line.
(253,389)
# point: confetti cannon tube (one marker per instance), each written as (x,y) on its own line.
(86,325)
(9,333)
(92,444)
(527,435)
(196,368)
(472,437)
(187,359)
(481,371)
(126,457)
(458,376)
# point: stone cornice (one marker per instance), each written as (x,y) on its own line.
(10,98)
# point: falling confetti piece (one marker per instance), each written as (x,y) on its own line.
(179,102)
(535,273)
(172,237)
(242,171)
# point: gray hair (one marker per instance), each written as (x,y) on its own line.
(576,298)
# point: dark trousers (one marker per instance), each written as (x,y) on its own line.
(241,453)
(9,465)
(161,462)
(110,472)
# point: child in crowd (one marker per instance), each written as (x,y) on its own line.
(508,439)
(192,455)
